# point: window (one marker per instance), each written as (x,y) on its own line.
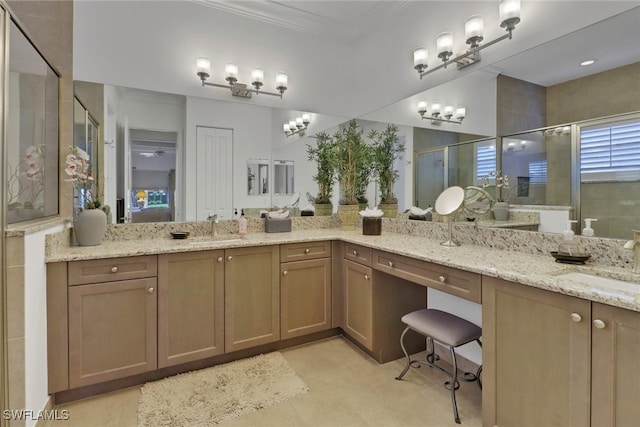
(485,160)
(538,172)
(610,152)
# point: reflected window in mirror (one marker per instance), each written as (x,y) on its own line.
(283,180)
(32,143)
(257,177)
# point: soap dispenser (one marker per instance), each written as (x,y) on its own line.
(568,246)
(242,224)
(587,230)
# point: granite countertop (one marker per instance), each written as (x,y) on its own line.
(539,271)
(500,224)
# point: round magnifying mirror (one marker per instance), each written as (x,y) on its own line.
(476,201)
(450,200)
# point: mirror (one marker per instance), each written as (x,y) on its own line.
(283,177)
(257,177)
(449,202)
(476,200)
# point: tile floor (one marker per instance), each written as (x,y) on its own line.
(347,388)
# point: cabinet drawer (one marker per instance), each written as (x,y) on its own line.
(302,251)
(112,269)
(456,282)
(356,253)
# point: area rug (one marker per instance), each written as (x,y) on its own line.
(209,396)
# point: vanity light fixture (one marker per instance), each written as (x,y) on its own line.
(473,28)
(436,113)
(297,126)
(203,70)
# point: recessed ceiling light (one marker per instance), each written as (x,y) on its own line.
(588,62)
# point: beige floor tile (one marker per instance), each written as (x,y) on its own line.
(347,389)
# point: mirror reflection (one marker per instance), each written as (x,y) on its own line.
(283,177)
(257,177)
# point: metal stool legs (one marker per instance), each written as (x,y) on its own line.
(454,383)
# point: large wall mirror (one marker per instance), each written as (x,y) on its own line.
(283,177)
(257,177)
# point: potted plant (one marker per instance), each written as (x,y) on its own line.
(351,154)
(324,154)
(365,173)
(387,147)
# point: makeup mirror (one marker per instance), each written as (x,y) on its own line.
(448,203)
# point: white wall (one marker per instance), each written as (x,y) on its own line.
(35,321)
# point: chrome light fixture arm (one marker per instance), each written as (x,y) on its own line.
(256,91)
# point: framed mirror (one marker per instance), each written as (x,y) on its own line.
(257,177)
(283,177)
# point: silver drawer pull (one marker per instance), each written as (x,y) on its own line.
(442,279)
(284,273)
(150,290)
(114,269)
(599,324)
(390,264)
(366,277)
(576,317)
(355,253)
(219,259)
(229,258)
(306,251)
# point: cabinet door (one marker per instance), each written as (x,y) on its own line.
(190,306)
(536,356)
(358,303)
(305,297)
(112,330)
(615,376)
(252,297)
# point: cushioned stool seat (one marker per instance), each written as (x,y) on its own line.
(448,330)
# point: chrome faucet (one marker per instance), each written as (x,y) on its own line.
(634,245)
(214,221)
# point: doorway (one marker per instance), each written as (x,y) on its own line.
(214,172)
(430,176)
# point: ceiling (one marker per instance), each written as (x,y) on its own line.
(344,58)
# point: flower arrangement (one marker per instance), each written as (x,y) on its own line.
(79,170)
(29,189)
(502,184)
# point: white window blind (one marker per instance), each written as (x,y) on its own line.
(485,160)
(538,172)
(610,149)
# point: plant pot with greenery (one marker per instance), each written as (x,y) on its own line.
(324,154)
(387,148)
(351,154)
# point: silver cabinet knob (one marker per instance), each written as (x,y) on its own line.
(366,277)
(576,317)
(306,251)
(150,290)
(599,324)
(284,273)
(442,279)
(114,269)
(355,253)
(390,264)
(229,258)
(219,259)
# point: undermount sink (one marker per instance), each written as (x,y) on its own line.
(599,281)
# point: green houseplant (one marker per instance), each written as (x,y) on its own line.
(324,154)
(387,148)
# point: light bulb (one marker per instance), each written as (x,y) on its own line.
(420,57)
(461,113)
(282,81)
(422,107)
(203,67)
(435,109)
(292,125)
(306,118)
(286,127)
(448,111)
(257,75)
(444,45)
(231,70)
(509,14)
(474,29)
(299,123)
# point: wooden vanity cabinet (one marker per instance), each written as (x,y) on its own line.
(111,324)
(190,306)
(251,297)
(305,288)
(358,302)
(555,360)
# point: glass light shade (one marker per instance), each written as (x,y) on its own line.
(448,110)
(292,124)
(286,127)
(420,56)
(299,122)
(444,43)
(231,70)
(282,80)
(461,113)
(474,27)
(257,75)
(422,107)
(435,108)
(509,11)
(306,118)
(203,65)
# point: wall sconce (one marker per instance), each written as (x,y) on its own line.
(436,112)
(203,70)
(297,126)
(473,28)
(514,146)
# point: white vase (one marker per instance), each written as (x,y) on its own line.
(90,227)
(501,211)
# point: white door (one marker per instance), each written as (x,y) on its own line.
(127,171)
(214,172)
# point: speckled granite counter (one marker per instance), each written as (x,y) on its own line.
(538,270)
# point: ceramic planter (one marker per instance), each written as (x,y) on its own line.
(348,215)
(501,211)
(90,227)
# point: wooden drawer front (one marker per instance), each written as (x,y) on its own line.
(357,253)
(303,251)
(446,279)
(111,269)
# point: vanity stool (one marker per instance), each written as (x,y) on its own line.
(448,330)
